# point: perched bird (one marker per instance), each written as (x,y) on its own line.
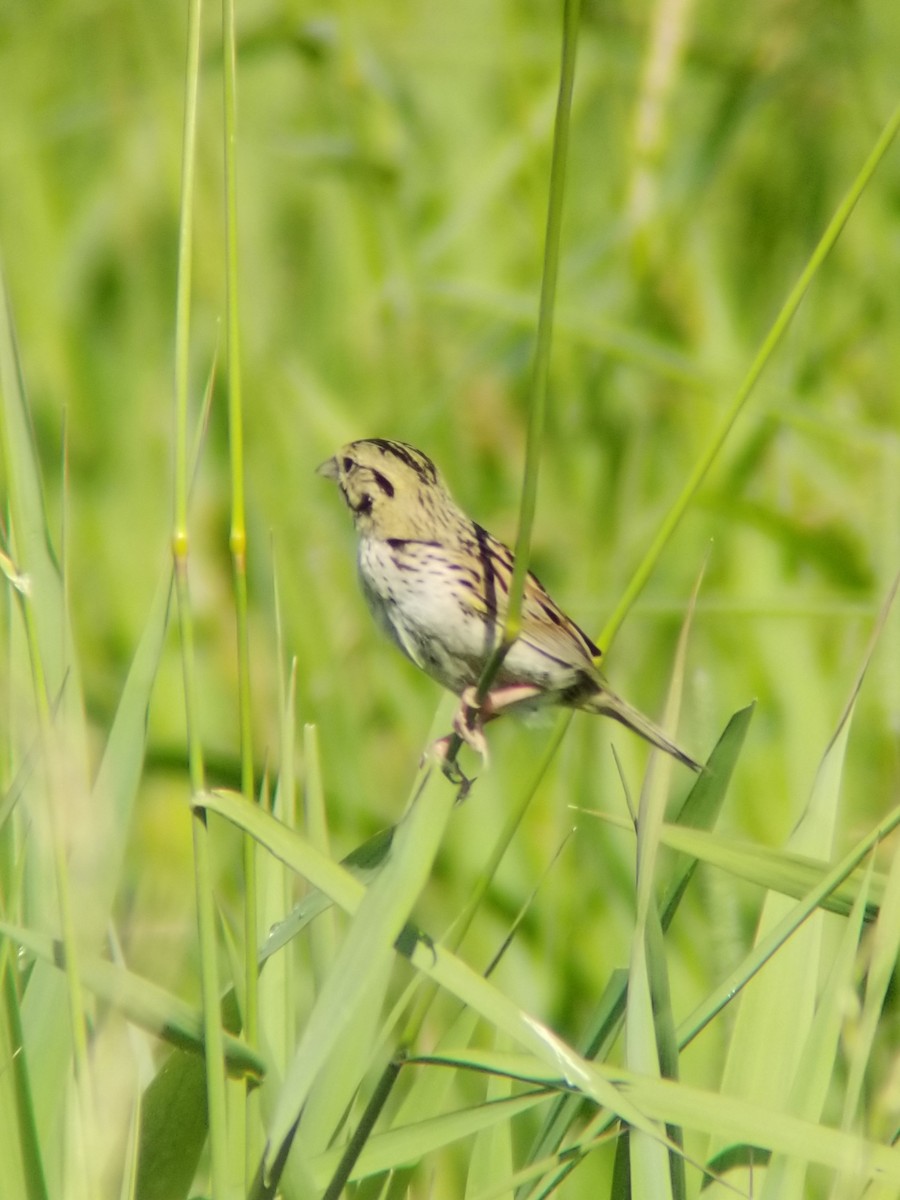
(438,584)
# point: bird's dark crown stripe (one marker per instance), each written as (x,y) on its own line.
(414,459)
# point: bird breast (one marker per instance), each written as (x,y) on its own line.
(436,615)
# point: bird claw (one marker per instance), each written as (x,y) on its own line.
(451,768)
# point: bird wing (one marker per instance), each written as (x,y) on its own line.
(548,629)
(545,627)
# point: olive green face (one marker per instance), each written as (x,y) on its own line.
(392,490)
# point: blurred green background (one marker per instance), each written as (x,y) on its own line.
(393,166)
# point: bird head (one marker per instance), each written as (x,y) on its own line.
(392,489)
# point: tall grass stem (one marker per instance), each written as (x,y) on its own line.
(770,342)
(238,542)
(206,917)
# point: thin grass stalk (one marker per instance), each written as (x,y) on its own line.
(881,967)
(543,342)
(83,1076)
(10,887)
(287,789)
(206,917)
(773,337)
(238,545)
(11,1019)
(364,1127)
(322,934)
(541,368)
(65,630)
(55,789)
(649,1024)
(287,785)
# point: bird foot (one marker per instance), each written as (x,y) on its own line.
(452,770)
(468,725)
(467,722)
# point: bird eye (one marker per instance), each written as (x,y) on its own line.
(347,464)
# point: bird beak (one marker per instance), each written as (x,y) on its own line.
(329,469)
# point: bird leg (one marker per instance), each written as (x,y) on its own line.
(467,726)
(500,699)
(472,715)
(469,721)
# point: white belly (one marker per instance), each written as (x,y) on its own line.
(427,610)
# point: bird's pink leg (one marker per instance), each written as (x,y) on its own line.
(467,726)
(496,702)
(471,717)
(468,721)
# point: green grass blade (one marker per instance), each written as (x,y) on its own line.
(293,849)
(443,967)
(491,1162)
(673,1102)
(764,1061)
(447,970)
(763,951)
(173,1130)
(430,1095)
(59,782)
(34,555)
(541,373)
(20,1152)
(323,940)
(650,1043)
(119,776)
(776,870)
(786,1175)
(407,1142)
(541,370)
(822,803)
(206,920)
(884,950)
(238,541)
(701,808)
(141,1001)
(368,946)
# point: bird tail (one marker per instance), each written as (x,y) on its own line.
(608,704)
